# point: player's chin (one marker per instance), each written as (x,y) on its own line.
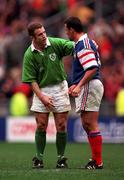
(70,38)
(44,43)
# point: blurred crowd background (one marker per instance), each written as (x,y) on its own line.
(104,20)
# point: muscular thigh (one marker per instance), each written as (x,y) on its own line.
(90,96)
(90,120)
(61,121)
(42,120)
(60,98)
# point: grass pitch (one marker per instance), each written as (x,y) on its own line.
(15,163)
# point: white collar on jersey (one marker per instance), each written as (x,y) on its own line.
(81,38)
(47,44)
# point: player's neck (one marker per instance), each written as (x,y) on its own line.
(39,47)
(77,36)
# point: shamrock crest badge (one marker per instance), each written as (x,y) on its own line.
(52,56)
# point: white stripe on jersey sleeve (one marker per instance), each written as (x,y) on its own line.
(87,58)
(80,53)
(89,63)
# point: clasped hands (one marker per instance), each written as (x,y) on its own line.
(74,90)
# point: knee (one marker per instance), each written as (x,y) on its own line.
(87,127)
(41,126)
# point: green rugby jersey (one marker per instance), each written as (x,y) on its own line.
(46,67)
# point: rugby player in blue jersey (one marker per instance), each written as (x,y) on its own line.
(87,87)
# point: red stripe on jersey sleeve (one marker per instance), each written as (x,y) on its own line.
(89,60)
(85,54)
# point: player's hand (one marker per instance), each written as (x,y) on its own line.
(47,101)
(76,91)
(70,89)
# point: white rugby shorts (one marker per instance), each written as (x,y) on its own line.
(60,96)
(90,97)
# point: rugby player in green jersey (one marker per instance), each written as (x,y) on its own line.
(44,70)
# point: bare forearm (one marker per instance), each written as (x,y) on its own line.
(36,89)
(88,76)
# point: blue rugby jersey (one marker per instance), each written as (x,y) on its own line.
(86,57)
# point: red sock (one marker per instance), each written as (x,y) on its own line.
(95,140)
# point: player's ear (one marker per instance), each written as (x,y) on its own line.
(72,30)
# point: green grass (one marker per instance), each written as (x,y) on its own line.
(15,163)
